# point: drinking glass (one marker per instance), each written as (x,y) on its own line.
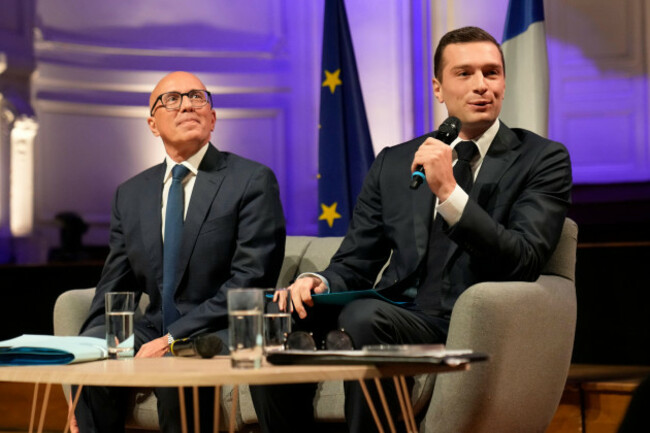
(277,323)
(245,308)
(120,308)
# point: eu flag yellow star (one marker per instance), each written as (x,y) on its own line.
(329,213)
(332,79)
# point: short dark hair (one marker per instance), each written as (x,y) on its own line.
(462,36)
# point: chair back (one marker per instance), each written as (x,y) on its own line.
(563,260)
(527,329)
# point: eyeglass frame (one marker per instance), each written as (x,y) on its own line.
(159,98)
(335,339)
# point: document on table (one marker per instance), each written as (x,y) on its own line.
(381,354)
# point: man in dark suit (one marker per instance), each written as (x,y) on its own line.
(502,224)
(233,235)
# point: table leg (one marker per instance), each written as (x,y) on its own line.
(382,397)
(410,419)
(217,412)
(402,405)
(73,402)
(181,400)
(195,397)
(33,416)
(371,405)
(46,398)
(233,408)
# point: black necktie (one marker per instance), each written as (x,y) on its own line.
(463,170)
(172,243)
(429,296)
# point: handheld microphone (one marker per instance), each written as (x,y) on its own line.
(447,133)
(204,345)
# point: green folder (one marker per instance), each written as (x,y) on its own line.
(343,298)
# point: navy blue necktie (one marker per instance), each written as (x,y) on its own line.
(430,292)
(172,244)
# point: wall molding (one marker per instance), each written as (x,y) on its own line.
(56,83)
(60,107)
(44,47)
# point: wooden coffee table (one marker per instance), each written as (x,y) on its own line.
(195,372)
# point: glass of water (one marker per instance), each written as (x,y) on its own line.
(245,308)
(277,322)
(120,307)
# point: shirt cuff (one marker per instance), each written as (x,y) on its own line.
(319,276)
(452,208)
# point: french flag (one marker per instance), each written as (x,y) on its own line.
(524,49)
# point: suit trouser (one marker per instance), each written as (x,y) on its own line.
(103,408)
(289,408)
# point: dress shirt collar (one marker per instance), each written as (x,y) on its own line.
(484,141)
(192,163)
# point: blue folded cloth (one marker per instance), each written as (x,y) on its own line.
(51,350)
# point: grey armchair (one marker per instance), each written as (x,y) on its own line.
(526,328)
(528,331)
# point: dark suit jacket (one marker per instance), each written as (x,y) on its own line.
(508,229)
(233,236)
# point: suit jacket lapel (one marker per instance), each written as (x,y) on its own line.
(423,201)
(151,220)
(503,152)
(207,184)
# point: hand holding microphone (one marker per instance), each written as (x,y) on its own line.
(204,345)
(447,133)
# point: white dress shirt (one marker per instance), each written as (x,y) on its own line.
(452,208)
(192,163)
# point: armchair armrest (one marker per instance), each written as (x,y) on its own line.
(527,329)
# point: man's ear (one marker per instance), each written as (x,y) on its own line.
(437,90)
(152,125)
(214,119)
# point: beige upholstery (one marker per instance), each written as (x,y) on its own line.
(526,328)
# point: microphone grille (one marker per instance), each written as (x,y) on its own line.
(449,130)
(208,345)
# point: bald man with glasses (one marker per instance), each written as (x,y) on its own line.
(183,232)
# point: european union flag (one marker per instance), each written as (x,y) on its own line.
(345,151)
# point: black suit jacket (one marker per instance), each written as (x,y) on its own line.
(507,231)
(233,236)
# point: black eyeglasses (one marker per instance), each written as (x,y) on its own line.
(336,339)
(173,100)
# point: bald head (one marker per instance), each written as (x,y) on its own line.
(171,81)
(186,128)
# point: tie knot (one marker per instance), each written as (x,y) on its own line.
(466,150)
(179,172)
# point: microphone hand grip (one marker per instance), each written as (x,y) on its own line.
(447,133)
(417,177)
